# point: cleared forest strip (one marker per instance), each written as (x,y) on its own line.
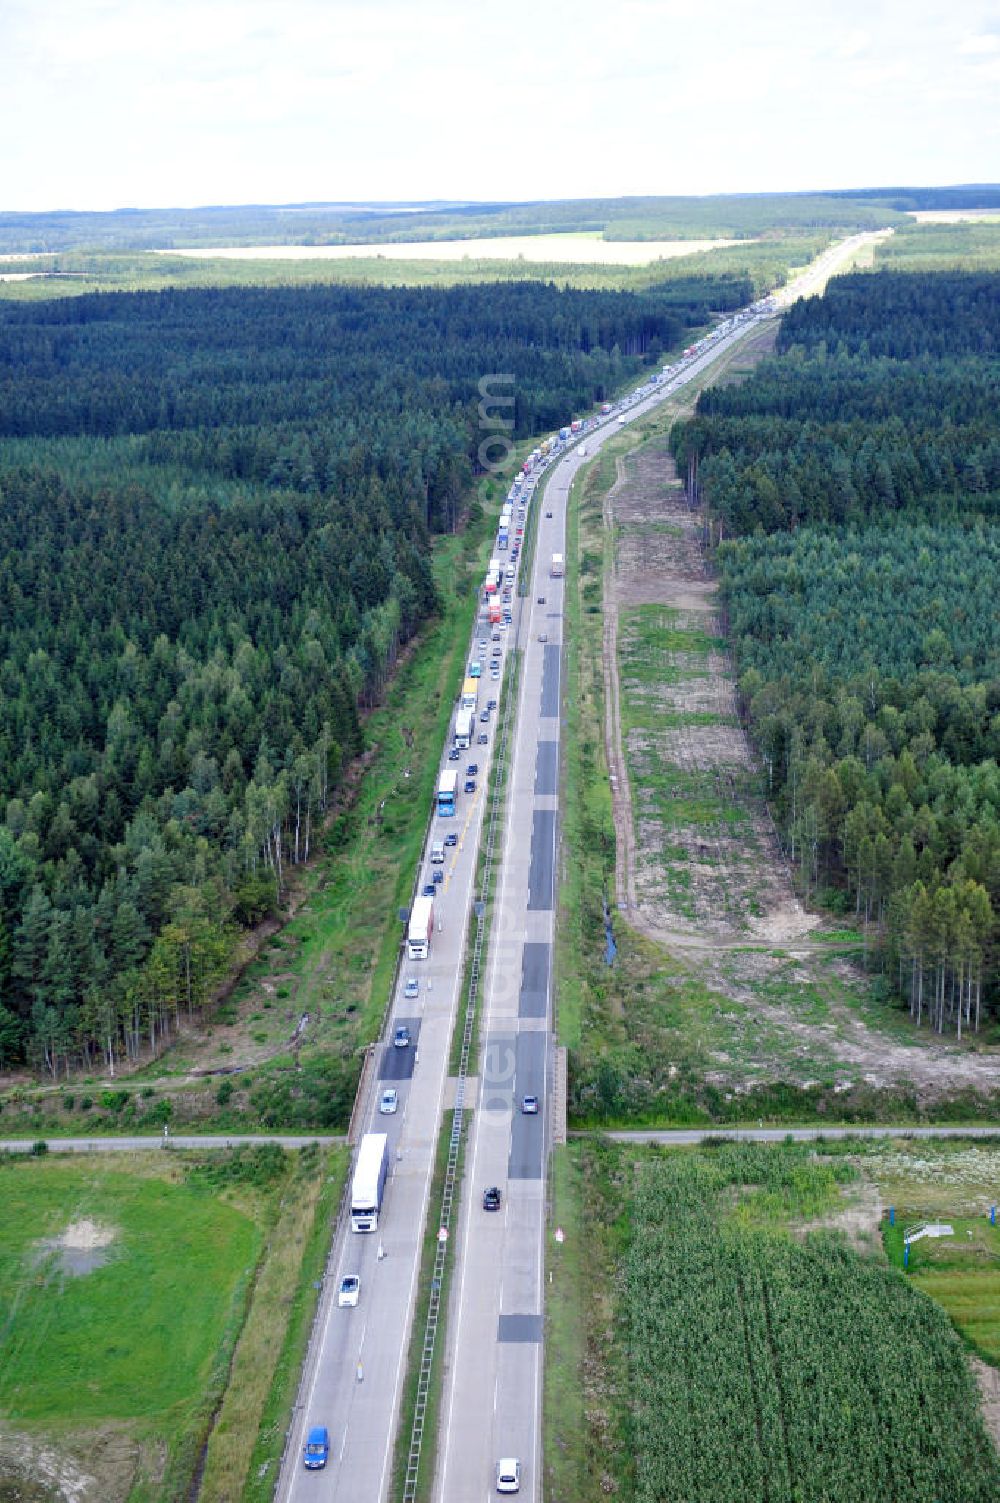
(699,870)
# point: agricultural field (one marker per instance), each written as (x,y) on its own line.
(747,1331)
(138,1305)
(930,246)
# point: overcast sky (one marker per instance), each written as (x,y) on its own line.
(108,103)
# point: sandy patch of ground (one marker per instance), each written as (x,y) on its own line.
(575,249)
(86,1234)
(98,1467)
(988,1379)
(715,879)
(81,1248)
(33,1472)
(859,1218)
(952,216)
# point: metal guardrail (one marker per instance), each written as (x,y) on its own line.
(454,1142)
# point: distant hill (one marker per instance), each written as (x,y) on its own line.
(737,216)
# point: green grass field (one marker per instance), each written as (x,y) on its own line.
(124,1286)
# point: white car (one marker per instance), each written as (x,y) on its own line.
(509,1475)
(389,1101)
(350,1288)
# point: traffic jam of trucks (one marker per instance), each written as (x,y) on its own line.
(496,615)
(469,732)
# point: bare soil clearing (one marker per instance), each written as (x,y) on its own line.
(859,1218)
(723,879)
(99,1467)
(988,1379)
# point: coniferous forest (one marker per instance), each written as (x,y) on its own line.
(217,509)
(854,480)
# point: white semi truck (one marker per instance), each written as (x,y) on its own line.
(556,570)
(421,927)
(369,1182)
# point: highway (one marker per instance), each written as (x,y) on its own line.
(493,1385)
(492,1399)
(491,1406)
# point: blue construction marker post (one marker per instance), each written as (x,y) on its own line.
(993,1215)
(906,1255)
(892,1215)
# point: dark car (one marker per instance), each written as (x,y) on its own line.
(484,716)
(470,785)
(317,1447)
(491,1199)
(437,876)
(541,600)
(451,838)
(401,1038)
(472,769)
(429,889)
(454,755)
(548,514)
(491,704)
(483,739)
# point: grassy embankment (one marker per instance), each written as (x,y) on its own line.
(128,1287)
(248,1437)
(758,1278)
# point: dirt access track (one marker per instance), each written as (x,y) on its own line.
(699,867)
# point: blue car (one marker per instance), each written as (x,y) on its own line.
(317,1448)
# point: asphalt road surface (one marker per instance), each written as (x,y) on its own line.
(171,1140)
(677,1137)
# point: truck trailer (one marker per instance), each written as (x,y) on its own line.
(463,729)
(369,1182)
(418,935)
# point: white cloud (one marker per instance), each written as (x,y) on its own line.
(107,102)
